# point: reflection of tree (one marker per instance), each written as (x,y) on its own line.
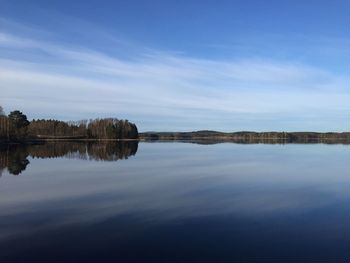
(17,165)
(100,151)
(14,157)
(111,151)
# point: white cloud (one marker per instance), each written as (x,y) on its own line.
(79,82)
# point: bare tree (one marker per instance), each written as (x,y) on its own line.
(2,113)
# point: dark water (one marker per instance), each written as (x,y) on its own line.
(175,202)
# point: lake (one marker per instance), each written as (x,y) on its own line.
(175,202)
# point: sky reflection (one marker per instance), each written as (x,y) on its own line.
(167,183)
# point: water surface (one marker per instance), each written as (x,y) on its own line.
(175,202)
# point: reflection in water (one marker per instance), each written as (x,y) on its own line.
(15,157)
(180,202)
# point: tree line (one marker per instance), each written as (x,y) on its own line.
(208,136)
(16,127)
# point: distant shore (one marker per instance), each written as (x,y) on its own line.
(249,137)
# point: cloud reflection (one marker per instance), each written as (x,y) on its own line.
(172,182)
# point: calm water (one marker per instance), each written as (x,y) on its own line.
(175,202)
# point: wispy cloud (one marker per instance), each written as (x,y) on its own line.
(166,90)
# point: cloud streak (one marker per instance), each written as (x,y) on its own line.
(168,91)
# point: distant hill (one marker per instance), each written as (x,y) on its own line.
(250,136)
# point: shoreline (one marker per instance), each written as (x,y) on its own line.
(37,141)
(210,137)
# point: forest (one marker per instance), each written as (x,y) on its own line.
(211,137)
(15,127)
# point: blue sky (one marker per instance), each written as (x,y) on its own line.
(179,65)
